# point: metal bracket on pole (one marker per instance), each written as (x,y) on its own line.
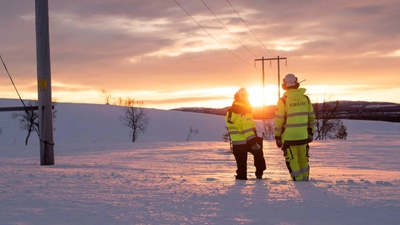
(279,75)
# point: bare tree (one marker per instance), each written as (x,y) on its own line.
(107,96)
(341,131)
(326,121)
(29,120)
(135,117)
(268,130)
(191,131)
(227,138)
(120,101)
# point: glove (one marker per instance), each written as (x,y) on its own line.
(310,135)
(278,141)
(310,138)
(256,147)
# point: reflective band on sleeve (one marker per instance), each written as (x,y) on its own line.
(278,129)
(241,132)
(296,125)
(235,132)
(279,117)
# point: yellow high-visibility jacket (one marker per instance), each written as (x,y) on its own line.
(240,124)
(294,117)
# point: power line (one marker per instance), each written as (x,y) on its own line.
(5,67)
(212,36)
(254,34)
(228,29)
(249,27)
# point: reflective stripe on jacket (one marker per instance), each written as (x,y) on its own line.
(240,124)
(294,115)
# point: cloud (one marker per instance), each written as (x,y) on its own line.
(154,45)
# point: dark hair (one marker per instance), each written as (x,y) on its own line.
(237,96)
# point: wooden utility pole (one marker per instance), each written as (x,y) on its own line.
(263,82)
(279,75)
(44,83)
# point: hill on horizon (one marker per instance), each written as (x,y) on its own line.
(358,110)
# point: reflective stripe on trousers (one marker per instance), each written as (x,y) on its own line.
(297,162)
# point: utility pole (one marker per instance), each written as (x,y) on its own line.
(279,75)
(263,82)
(44,83)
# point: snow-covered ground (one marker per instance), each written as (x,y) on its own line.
(100,177)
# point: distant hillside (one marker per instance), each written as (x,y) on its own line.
(360,110)
(356,110)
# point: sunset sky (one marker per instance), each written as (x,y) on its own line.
(198,53)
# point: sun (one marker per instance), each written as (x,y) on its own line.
(256,96)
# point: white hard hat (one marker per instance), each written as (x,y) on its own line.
(290,80)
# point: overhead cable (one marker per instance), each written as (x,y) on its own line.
(5,67)
(249,28)
(212,36)
(228,29)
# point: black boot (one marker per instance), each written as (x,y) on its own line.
(240,178)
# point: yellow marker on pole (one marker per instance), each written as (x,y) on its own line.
(42,84)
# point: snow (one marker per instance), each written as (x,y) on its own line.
(100,177)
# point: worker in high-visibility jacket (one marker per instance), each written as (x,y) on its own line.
(243,134)
(294,127)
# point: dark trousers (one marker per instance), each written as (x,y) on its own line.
(240,153)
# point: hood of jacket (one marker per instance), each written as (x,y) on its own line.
(295,94)
(241,107)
